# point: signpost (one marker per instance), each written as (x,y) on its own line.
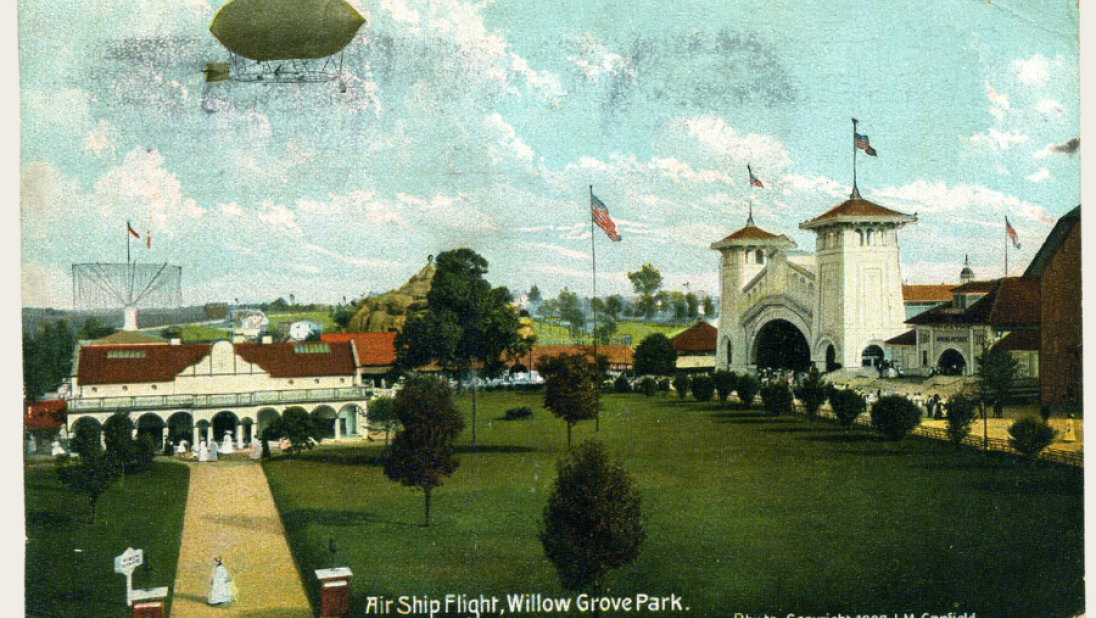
(125,564)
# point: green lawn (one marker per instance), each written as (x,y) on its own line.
(144,511)
(746,514)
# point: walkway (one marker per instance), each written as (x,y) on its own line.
(230,513)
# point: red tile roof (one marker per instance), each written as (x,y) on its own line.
(1011,302)
(109,364)
(752,232)
(933,293)
(858,207)
(374,349)
(47,414)
(701,337)
(284,360)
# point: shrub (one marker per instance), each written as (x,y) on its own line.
(648,386)
(776,398)
(681,384)
(725,382)
(847,406)
(703,387)
(1030,436)
(961,412)
(895,416)
(514,414)
(746,389)
(621,385)
(812,392)
(664,385)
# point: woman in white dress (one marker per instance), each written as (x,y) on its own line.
(203,453)
(213,451)
(220,588)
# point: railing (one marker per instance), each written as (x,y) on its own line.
(220,400)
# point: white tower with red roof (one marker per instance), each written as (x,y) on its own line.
(859,301)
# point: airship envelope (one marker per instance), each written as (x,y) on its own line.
(286,29)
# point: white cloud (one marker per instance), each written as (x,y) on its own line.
(999,104)
(999,140)
(142,189)
(362,262)
(595,60)
(1032,72)
(279,217)
(1039,176)
(100,138)
(570,253)
(714,133)
(231,209)
(505,144)
(963,203)
(1069,147)
(1050,107)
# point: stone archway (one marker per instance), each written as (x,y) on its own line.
(87,431)
(952,362)
(224,422)
(180,426)
(326,417)
(346,424)
(153,426)
(779,344)
(872,356)
(265,419)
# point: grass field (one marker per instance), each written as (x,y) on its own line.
(143,511)
(321,317)
(745,514)
(637,330)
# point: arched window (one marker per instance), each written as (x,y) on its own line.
(860,234)
(730,354)
(760,255)
(868,239)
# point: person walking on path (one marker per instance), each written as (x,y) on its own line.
(220,590)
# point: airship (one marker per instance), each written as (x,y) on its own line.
(283,40)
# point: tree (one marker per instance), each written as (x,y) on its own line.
(812,392)
(342,316)
(534,294)
(961,413)
(646,281)
(466,322)
(997,369)
(725,382)
(1030,436)
(593,521)
(605,331)
(570,388)
(776,398)
(47,358)
(691,306)
(92,475)
(708,305)
(681,308)
(299,429)
(422,453)
(746,389)
(548,310)
(135,455)
(681,384)
(847,406)
(92,329)
(895,416)
(570,312)
(655,355)
(382,415)
(703,387)
(614,306)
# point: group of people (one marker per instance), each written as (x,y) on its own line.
(210,451)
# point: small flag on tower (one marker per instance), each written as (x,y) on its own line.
(601,218)
(754,182)
(863,144)
(131,230)
(1012,234)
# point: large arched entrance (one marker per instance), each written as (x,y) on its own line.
(325,418)
(87,435)
(224,422)
(780,345)
(952,363)
(180,426)
(266,418)
(347,421)
(872,356)
(152,426)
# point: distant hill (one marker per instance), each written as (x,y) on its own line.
(389,311)
(34,317)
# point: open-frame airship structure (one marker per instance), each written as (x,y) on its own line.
(283,40)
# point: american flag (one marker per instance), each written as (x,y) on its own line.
(862,144)
(1012,234)
(131,230)
(601,218)
(754,182)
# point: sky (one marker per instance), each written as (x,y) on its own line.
(484,125)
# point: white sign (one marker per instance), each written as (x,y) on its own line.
(129,560)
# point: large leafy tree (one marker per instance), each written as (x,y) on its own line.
(655,356)
(570,312)
(646,281)
(47,358)
(466,323)
(570,388)
(301,430)
(997,369)
(422,452)
(593,522)
(91,475)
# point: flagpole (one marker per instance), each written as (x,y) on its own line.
(855,191)
(1006,246)
(593,263)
